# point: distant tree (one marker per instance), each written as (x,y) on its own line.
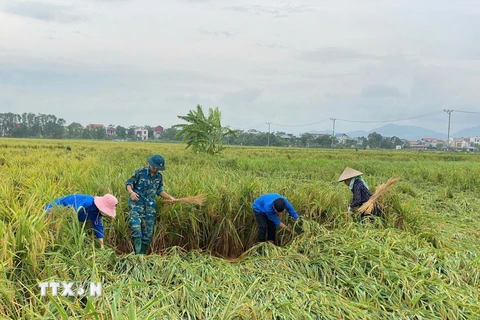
(396,141)
(169,134)
(59,129)
(75,130)
(350,143)
(324,141)
(204,134)
(131,132)
(306,139)
(87,134)
(121,132)
(150,132)
(375,140)
(99,133)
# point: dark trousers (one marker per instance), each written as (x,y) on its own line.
(265,227)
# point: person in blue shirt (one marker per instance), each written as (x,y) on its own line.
(143,186)
(89,208)
(267,207)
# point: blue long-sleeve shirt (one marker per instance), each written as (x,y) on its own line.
(264,205)
(86,209)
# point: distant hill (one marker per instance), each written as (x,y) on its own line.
(409,132)
(403,132)
(359,133)
(467,133)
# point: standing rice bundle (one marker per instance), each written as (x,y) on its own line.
(368,206)
(200,200)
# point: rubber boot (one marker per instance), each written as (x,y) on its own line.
(144,248)
(137,245)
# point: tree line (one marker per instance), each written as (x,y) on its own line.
(47,126)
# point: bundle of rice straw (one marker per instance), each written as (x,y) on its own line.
(200,200)
(368,206)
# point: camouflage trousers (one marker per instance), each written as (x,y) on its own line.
(142,219)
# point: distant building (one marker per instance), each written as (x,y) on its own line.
(157,132)
(318,135)
(141,133)
(431,142)
(416,145)
(285,136)
(95,126)
(111,131)
(341,137)
(475,140)
(464,143)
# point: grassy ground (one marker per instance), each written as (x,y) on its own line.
(421,260)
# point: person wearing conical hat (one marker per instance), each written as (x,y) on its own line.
(354,180)
(90,208)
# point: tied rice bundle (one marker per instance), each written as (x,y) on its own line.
(368,206)
(200,200)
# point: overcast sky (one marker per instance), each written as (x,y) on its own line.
(295,64)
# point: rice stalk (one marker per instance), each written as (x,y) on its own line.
(370,204)
(199,200)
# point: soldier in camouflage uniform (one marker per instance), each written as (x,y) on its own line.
(144,185)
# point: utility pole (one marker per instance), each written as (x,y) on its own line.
(448,135)
(268,135)
(333,134)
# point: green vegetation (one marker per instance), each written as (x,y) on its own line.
(204,134)
(421,260)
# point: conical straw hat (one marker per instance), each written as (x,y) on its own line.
(349,173)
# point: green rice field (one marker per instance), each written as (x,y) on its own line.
(420,260)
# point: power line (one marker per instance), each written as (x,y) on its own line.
(368,121)
(299,125)
(466,111)
(394,120)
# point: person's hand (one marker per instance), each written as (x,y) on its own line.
(133,196)
(294,233)
(172,199)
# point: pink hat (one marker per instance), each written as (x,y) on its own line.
(106,204)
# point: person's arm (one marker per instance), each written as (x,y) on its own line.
(67,201)
(273,217)
(291,210)
(132,194)
(293,232)
(101,243)
(165,195)
(129,185)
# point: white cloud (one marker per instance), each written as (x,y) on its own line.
(42,11)
(146,62)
